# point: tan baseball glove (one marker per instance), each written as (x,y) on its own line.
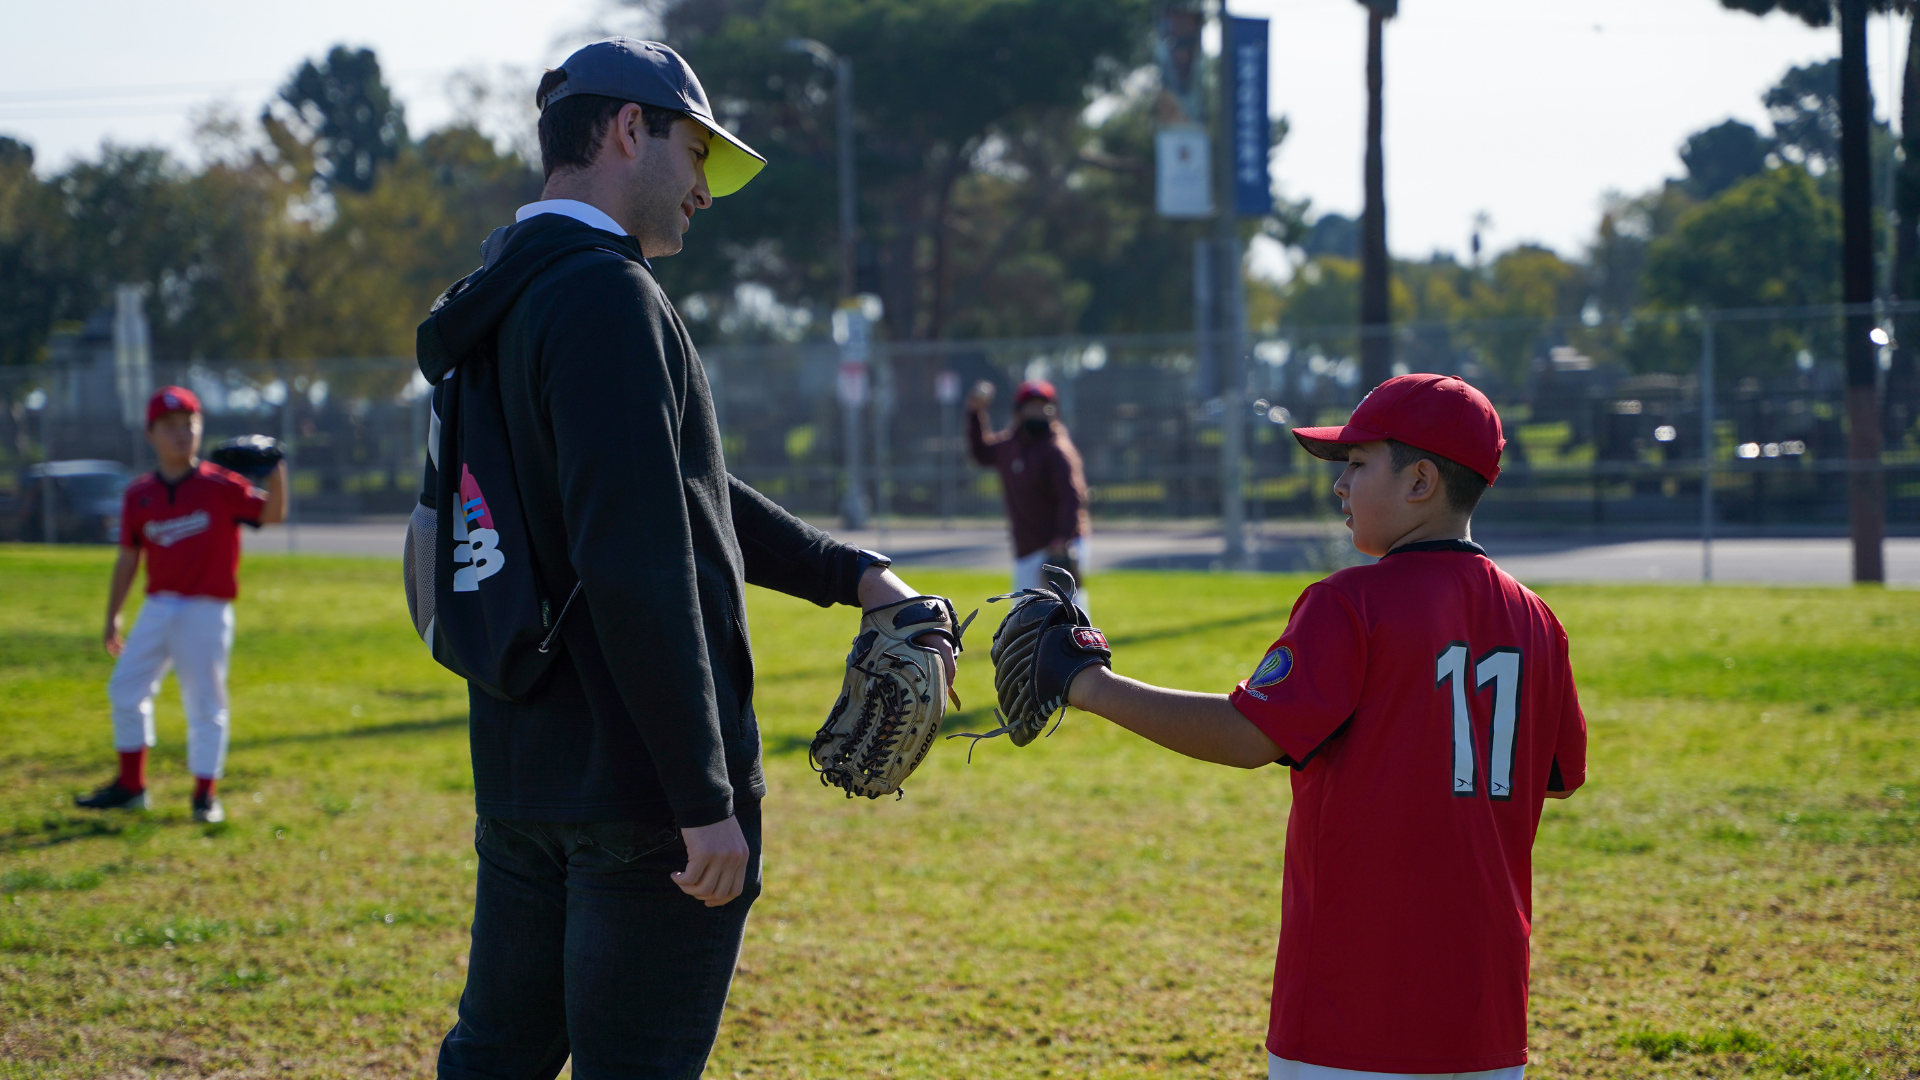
(893,701)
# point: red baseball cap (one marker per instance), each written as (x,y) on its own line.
(1034,388)
(1440,414)
(171,399)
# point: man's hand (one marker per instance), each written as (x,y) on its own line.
(880,586)
(716,862)
(982,395)
(112,639)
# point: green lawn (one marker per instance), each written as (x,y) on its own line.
(1735,892)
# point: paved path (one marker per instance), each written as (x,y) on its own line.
(1283,546)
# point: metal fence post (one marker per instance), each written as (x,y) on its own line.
(1706,447)
(882,404)
(286,444)
(947,392)
(49,528)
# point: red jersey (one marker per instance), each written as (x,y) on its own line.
(1426,704)
(191,529)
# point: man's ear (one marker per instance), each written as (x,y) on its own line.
(628,131)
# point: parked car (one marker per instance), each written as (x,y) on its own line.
(86,501)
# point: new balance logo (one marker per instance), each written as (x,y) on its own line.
(173,530)
(476,546)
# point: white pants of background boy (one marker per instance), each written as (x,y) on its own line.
(192,635)
(1026,569)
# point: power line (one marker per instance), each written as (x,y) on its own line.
(91,95)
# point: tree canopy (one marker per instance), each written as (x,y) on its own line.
(958,178)
(246,256)
(1722,156)
(353,123)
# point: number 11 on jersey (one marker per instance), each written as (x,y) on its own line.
(1501,667)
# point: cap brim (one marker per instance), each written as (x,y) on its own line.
(1330,443)
(730,162)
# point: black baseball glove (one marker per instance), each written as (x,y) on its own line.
(252,456)
(1042,644)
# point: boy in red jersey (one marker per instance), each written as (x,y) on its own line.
(1426,706)
(186,516)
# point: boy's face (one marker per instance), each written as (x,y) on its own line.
(175,438)
(1382,505)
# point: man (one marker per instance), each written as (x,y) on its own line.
(619,824)
(185,516)
(1041,479)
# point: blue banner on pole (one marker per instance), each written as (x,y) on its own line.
(1247,91)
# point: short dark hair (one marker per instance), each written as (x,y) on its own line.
(1464,486)
(572,128)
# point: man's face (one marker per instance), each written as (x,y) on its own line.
(1036,409)
(175,438)
(668,182)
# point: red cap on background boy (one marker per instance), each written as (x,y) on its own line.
(171,399)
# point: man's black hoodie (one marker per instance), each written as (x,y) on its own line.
(647,712)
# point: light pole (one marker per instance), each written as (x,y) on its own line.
(853,361)
(1230,342)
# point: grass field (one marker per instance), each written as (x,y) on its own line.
(1735,892)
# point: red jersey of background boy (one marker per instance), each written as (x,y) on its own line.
(190,529)
(1428,704)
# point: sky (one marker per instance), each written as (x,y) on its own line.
(1528,111)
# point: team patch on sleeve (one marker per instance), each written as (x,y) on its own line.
(1275,667)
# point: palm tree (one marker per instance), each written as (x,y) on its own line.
(1866,502)
(1376,316)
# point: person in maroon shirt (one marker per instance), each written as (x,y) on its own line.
(1427,708)
(1041,479)
(185,518)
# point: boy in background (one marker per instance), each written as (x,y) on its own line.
(186,517)
(1041,479)
(1426,707)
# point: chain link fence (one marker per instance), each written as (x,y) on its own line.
(1604,421)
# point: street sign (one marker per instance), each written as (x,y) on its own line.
(853,330)
(1183,186)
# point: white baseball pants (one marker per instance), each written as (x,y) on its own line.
(193,635)
(1026,569)
(1279,1068)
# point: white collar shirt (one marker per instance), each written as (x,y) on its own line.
(585,213)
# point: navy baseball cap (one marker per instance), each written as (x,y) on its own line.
(649,73)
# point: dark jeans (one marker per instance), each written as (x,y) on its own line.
(583,945)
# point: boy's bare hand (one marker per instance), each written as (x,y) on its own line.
(112,639)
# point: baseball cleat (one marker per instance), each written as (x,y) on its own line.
(208,811)
(112,797)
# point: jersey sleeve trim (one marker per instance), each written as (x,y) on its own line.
(1287,759)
